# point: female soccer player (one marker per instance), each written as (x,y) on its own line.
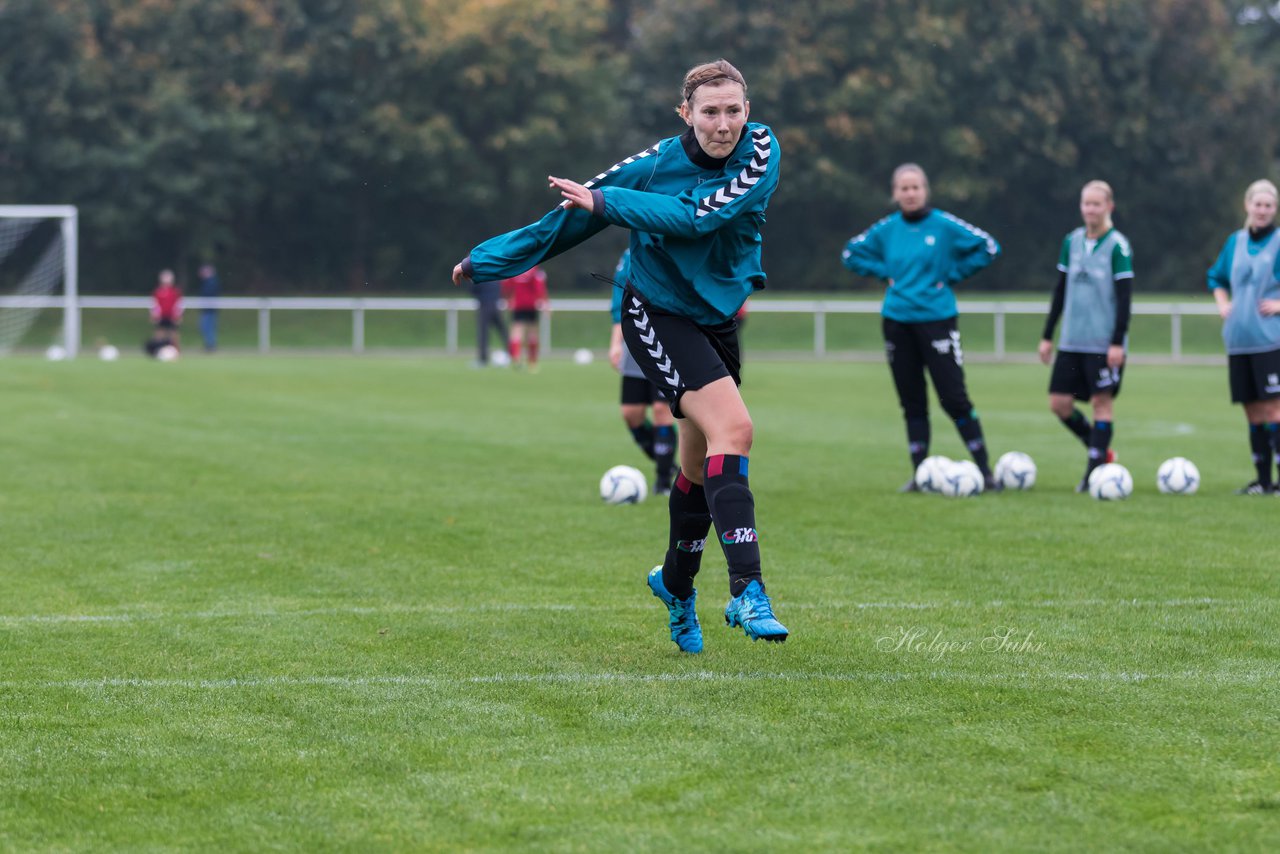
(1245,281)
(922,253)
(657,438)
(526,294)
(694,204)
(1093,298)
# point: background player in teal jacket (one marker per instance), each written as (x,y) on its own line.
(656,438)
(1093,298)
(922,252)
(1245,281)
(694,204)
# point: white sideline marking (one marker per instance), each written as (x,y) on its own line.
(1245,678)
(516,607)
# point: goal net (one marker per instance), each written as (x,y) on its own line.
(37,271)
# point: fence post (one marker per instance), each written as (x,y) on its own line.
(264,327)
(999,331)
(451,330)
(1175,332)
(357,329)
(544,325)
(819,332)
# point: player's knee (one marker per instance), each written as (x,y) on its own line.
(738,434)
(1061,407)
(957,407)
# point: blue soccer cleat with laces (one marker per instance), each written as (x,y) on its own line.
(685,630)
(752,611)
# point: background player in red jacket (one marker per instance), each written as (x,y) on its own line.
(166,308)
(526,295)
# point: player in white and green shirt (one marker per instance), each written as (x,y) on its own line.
(1093,297)
(1245,281)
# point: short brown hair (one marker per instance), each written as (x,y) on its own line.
(711,73)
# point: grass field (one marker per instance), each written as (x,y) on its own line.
(375,604)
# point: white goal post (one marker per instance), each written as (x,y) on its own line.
(38,276)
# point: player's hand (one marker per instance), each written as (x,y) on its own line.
(1045,350)
(458,276)
(576,195)
(1224,309)
(615,355)
(1269,307)
(1115,356)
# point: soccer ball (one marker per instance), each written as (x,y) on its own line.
(582,356)
(56,353)
(961,479)
(623,485)
(1178,476)
(1110,482)
(500,359)
(1016,470)
(930,472)
(108,353)
(167,353)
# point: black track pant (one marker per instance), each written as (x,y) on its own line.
(934,345)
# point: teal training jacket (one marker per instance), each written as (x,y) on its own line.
(924,257)
(694,220)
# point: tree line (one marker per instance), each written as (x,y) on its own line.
(362,146)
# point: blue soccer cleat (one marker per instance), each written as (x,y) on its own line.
(685,630)
(752,611)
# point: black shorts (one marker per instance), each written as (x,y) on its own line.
(638,390)
(1082,375)
(676,354)
(524,315)
(166,323)
(1254,376)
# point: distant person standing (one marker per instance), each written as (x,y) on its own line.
(1093,297)
(166,309)
(922,252)
(488,317)
(526,296)
(1245,281)
(210,288)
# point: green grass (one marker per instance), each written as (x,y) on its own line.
(375,604)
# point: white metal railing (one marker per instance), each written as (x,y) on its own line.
(454,307)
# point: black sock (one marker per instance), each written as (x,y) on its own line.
(1099,441)
(644,438)
(690,522)
(733,510)
(1273,433)
(1260,445)
(664,453)
(918,440)
(971,431)
(1078,424)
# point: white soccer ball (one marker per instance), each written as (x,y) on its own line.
(962,479)
(930,472)
(108,353)
(623,485)
(167,353)
(56,353)
(582,356)
(1178,476)
(1110,482)
(500,358)
(1015,470)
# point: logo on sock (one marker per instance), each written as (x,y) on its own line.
(691,546)
(738,536)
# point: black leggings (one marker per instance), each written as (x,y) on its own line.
(933,344)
